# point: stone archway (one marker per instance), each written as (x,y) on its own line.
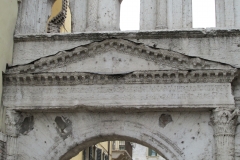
(121,130)
(97,92)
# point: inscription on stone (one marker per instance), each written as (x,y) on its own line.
(122,94)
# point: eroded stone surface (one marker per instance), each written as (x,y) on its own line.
(66,92)
(183,95)
(179,138)
(214,45)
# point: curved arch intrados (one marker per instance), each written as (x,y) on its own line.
(94,140)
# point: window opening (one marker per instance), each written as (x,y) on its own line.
(151,152)
(118,150)
(60,19)
(130,15)
(203,13)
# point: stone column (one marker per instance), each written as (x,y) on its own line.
(227,13)
(109,15)
(148,16)
(79,10)
(33,16)
(12,119)
(92,15)
(3,148)
(165,14)
(224,125)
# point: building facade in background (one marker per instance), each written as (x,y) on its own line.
(100,151)
(141,152)
(109,150)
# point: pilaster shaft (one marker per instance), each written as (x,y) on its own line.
(227,13)
(166,14)
(224,125)
(92,15)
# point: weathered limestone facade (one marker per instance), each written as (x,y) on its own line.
(176,91)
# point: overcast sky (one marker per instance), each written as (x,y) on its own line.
(203,14)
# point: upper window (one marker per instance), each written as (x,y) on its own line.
(130,15)
(203,13)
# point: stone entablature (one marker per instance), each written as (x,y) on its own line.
(138,77)
(167,80)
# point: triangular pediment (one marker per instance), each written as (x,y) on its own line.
(115,56)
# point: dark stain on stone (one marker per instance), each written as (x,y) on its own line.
(64,126)
(27,125)
(164,120)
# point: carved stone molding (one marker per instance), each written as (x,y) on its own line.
(140,77)
(224,125)
(158,34)
(172,59)
(56,22)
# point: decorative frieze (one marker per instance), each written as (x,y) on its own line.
(224,125)
(140,77)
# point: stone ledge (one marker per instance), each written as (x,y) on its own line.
(121,108)
(157,34)
(140,77)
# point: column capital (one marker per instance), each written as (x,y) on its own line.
(224,121)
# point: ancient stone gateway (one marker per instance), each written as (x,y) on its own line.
(176,91)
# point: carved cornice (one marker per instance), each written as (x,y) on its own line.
(161,34)
(162,57)
(140,77)
(56,22)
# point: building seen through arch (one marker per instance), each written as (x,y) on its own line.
(117,150)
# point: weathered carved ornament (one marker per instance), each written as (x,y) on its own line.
(139,77)
(174,60)
(56,22)
(224,124)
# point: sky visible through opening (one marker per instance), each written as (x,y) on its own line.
(203,14)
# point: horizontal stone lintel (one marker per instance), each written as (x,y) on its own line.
(121,108)
(179,95)
(164,33)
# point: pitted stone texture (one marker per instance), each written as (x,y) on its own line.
(178,140)
(116,56)
(214,45)
(33,16)
(119,96)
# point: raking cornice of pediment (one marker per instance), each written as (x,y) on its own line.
(160,57)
